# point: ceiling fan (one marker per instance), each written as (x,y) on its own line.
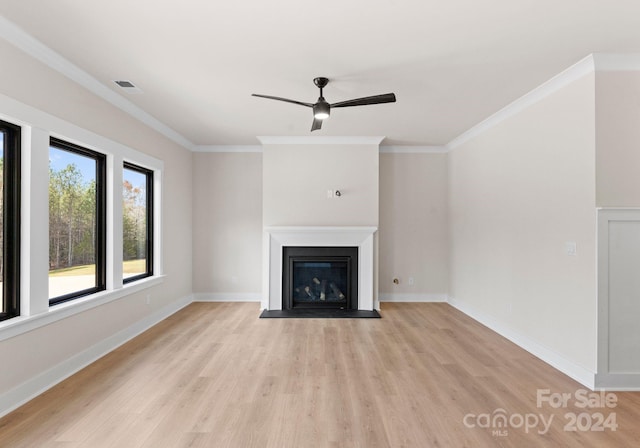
(322,109)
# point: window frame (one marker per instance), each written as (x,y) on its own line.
(149,220)
(36,130)
(11,220)
(101,219)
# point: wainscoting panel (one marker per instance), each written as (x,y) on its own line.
(618,299)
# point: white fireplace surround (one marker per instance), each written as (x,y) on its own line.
(276,238)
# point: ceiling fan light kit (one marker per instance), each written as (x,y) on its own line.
(322,109)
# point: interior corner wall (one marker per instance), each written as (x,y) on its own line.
(227,226)
(413,235)
(32,354)
(617,136)
(618,196)
(519,192)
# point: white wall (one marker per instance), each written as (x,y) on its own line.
(518,192)
(413,231)
(296,179)
(227,225)
(227,222)
(617,137)
(35,357)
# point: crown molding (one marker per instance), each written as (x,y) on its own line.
(36,49)
(596,62)
(564,78)
(309,140)
(414,149)
(383,149)
(227,148)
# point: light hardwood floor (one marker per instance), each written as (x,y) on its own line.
(214,375)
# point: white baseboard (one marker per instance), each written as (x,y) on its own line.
(625,382)
(227,297)
(569,368)
(386,297)
(35,386)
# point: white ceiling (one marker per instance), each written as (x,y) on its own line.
(451,64)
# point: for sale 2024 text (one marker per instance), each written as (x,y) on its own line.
(597,415)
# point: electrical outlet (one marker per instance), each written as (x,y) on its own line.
(148,299)
(330,194)
(571,248)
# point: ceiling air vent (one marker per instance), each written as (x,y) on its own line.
(128,86)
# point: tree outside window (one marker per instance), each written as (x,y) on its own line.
(76,222)
(137,226)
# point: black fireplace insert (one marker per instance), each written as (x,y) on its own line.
(319,278)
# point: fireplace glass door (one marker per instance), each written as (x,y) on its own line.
(320,277)
(317,282)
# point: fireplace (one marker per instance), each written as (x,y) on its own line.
(362,286)
(319,278)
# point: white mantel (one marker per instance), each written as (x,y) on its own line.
(276,238)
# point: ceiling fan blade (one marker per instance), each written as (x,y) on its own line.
(286,100)
(317,124)
(375,99)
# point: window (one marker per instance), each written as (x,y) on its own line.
(9,220)
(77,221)
(69,253)
(137,223)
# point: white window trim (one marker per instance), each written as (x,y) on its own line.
(22,324)
(37,129)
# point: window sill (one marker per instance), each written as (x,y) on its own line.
(22,324)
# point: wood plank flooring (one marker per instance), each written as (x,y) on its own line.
(214,375)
